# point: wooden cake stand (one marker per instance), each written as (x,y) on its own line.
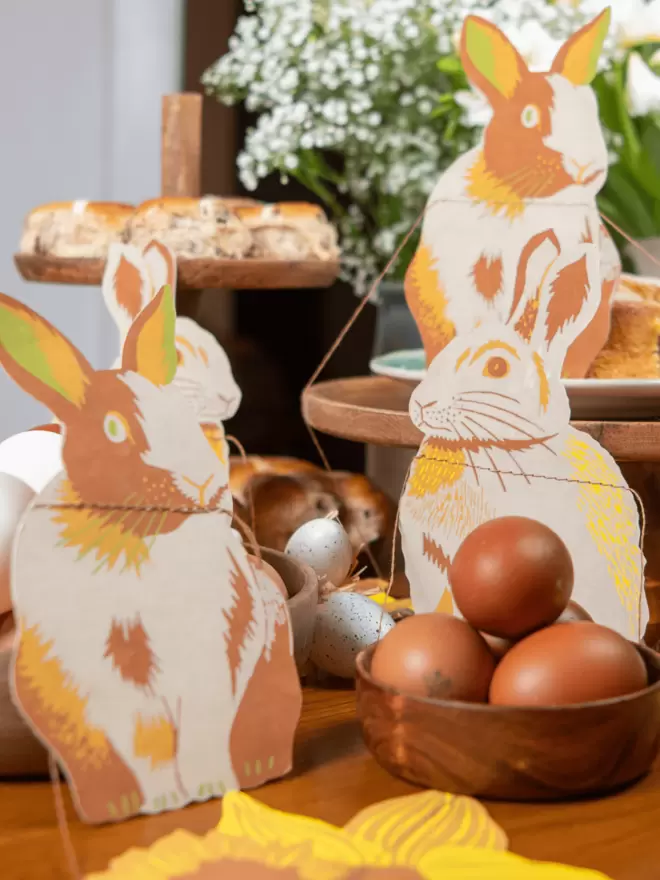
(374,410)
(181,145)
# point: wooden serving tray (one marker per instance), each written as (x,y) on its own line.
(197,274)
(374,409)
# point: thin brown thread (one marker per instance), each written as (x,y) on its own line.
(84,505)
(251,537)
(640,247)
(393,555)
(60,811)
(241,449)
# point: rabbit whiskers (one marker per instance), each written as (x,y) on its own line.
(507,451)
(502,409)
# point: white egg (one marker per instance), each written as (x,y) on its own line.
(345,625)
(15,496)
(323,545)
(34,457)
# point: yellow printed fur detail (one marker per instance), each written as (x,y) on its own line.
(154,738)
(610,521)
(90,530)
(216,437)
(427,299)
(435,468)
(40,677)
(486,188)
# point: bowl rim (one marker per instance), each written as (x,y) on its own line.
(363,669)
(310,583)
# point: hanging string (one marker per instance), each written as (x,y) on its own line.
(241,451)
(636,244)
(60,811)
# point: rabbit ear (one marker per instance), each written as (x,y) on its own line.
(577,60)
(150,348)
(41,360)
(126,285)
(490,60)
(551,303)
(161,266)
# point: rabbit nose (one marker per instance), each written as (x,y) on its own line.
(201,488)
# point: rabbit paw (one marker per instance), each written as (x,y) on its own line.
(124,806)
(257,771)
(169,801)
(211,789)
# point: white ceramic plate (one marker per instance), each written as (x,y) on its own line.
(615,399)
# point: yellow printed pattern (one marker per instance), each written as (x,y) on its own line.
(497,195)
(611,521)
(91,532)
(40,678)
(154,738)
(435,468)
(435,836)
(428,302)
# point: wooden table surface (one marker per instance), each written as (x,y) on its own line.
(334,777)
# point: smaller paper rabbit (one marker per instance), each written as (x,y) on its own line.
(131,280)
(498,442)
(154,659)
(541,163)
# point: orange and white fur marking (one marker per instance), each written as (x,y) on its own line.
(498,442)
(145,631)
(540,165)
(204,376)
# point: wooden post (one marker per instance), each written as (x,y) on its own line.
(181,145)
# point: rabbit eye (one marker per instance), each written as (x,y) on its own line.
(496,368)
(531,116)
(116,427)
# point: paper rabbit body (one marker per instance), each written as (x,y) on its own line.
(132,278)
(539,167)
(495,416)
(153,659)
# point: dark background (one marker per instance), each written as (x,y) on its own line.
(280,336)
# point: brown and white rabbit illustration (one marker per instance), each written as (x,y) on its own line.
(147,639)
(204,376)
(498,442)
(539,167)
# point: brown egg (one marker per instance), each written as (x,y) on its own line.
(511,576)
(568,663)
(574,613)
(498,647)
(434,655)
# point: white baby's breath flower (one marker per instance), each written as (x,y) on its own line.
(643,87)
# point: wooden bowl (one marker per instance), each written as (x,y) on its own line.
(520,754)
(303,587)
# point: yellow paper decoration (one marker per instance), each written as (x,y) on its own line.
(428,836)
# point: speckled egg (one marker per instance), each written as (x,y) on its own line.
(323,545)
(345,625)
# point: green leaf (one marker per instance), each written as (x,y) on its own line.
(635,208)
(608,104)
(450,64)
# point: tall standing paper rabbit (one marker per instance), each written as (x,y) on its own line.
(132,278)
(153,659)
(498,442)
(538,169)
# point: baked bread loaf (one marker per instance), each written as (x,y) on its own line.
(290,231)
(631,351)
(206,227)
(644,287)
(75,229)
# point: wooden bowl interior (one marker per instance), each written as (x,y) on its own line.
(302,585)
(512,753)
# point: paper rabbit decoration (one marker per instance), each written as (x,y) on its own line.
(132,278)
(154,658)
(539,168)
(498,442)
